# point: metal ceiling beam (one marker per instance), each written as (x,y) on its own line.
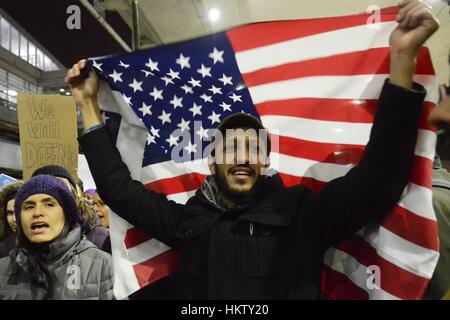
(106,25)
(136,35)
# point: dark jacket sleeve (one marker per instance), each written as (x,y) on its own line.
(149,211)
(368,191)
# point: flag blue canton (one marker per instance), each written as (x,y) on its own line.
(189,87)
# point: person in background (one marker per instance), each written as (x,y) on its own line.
(7,195)
(89,196)
(88,220)
(53,260)
(102,210)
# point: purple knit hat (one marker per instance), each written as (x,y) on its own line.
(52,186)
(90,191)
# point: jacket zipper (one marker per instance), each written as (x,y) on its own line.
(251,229)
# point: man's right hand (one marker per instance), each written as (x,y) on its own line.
(84,91)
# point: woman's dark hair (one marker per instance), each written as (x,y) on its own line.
(7,193)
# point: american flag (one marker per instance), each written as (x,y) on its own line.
(314,84)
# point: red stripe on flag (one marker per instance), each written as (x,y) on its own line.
(156,268)
(341,110)
(343,154)
(401,222)
(391,275)
(372,61)
(421,172)
(183,183)
(319,151)
(410,226)
(134,237)
(291,180)
(336,285)
(262,34)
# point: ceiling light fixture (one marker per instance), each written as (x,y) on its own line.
(214,15)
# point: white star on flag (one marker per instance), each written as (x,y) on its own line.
(148,73)
(155,132)
(173,74)
(187,89)
(97,65)
(235,97)
(176,102)
(225,107)
(152,65)
(191,148)
(123,65)
(214,117)
(156,94)
(204,71)
(184,125)
(215,90)
(150,139)
(202,133)
(145,109)
(196,110)
(136,85)
(226,80)
(183,61)
(167,80)
(216,55)
(173,141)
(194,83)
(116,76)
(165,117)
(206,98)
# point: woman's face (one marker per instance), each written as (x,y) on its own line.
(42,218)
(89,198)
(10,217)
(102,210)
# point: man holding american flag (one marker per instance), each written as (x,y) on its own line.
(244,235)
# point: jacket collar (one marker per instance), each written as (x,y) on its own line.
(58,251)
(258,207)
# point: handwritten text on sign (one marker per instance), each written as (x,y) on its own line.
(48,131)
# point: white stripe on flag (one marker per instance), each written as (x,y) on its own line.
(343,263)
(418,200)
(170,169)
(334,87)
(146,250)
(301,167)
(125,281)
(352,39)
(403,253)
(181,197)
(339,132)
(426,144)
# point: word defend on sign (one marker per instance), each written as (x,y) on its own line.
(48,132)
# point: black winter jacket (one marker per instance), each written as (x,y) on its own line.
(271,247)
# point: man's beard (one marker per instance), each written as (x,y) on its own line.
(234,195)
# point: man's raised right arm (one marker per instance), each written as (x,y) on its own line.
(147,210)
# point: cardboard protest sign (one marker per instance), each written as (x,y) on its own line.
(48,132)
